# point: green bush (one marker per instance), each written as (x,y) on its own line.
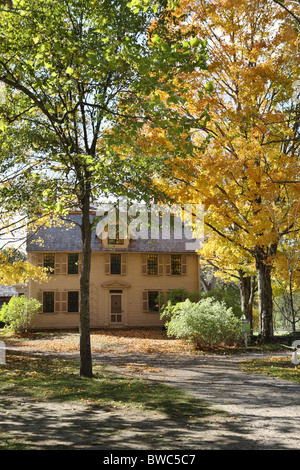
(179,295)
(230,295)
(205,323)
(18,313)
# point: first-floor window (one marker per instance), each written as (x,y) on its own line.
(153,302)
(48,302)
(73,301)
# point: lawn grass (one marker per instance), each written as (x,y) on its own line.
(54,379)
(11,443)
(278,367)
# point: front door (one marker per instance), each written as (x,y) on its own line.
(116,308)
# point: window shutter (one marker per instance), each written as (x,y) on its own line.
(57,302)
(168,265)
(123,264)
(57,264)
(107,263)
(145,301)
(61,263)
(64,263)
(144,264)
(160,265)
(39,260)
(64,302)
(183,265)
(40,299)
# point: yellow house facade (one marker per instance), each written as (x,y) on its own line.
(127,276)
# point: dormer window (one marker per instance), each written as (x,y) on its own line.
(117,240)
(113,231)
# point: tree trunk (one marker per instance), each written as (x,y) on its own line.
(292,305)
(265,297)
(208,285)
(84,327)
(247,288)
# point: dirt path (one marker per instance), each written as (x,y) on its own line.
(262,413)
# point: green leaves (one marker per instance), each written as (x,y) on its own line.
(204,323)
(69,70)
(88,77)
(137,5)
(195,42)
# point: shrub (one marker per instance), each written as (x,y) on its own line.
(18,313)
(205,323)
(230,295)
(179,295)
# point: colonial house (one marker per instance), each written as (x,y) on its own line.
(127,276)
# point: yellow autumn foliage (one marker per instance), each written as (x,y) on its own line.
(20,271)
(250,139)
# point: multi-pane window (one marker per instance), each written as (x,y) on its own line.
(116,318)
(175,264)
(48,302)
(72,263)
(49,262)
(153,303)
(152,264)
(73,301)
(115,263)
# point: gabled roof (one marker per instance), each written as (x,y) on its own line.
(67,237)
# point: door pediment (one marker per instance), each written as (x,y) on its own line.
(115,284)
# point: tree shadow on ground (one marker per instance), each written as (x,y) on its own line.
(212,379)
(42,426)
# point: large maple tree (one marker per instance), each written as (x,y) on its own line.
(251,143)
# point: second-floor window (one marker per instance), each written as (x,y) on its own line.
(72,263)
(152,264)
(115,263)
(49,262)
(176,265)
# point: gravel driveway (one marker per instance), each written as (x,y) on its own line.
(261,413)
